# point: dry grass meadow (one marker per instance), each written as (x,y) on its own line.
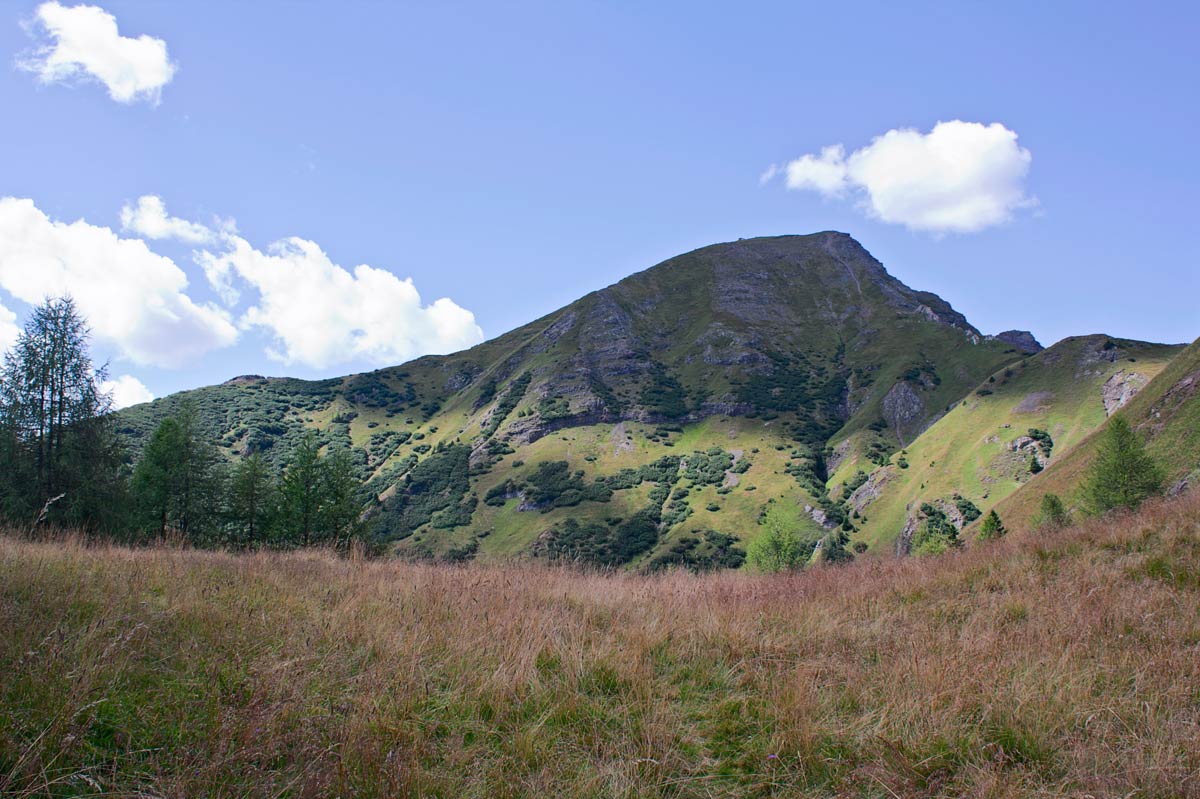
(1059,664)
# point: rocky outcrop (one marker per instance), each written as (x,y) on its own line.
(871,490)
(1184,484)
(723,346)
(819,517)
(904,410)
(839,453)
(1027,445)
(1023,340)
(1120,389)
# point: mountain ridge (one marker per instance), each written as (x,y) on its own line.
(785,364)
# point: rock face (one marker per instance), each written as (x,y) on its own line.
(1021,339)
(819,517)
(903,409)
(869,491)
(1120,389)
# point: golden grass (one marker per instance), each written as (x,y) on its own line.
(1067,664)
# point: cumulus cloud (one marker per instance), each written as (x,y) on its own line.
(83,43)
(825,173)
(961,177)
(8,329)
(148,218)
(126,390)
(132,297)
(320,314)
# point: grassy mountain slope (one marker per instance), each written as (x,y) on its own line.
(1166,413)
(1060,664)
(982,450)
(754,367)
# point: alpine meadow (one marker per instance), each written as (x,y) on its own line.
(759,519)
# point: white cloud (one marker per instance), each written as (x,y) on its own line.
(85,42)
(126,390)
(825,173)
(321,314)
(149,219)
(768,174)
(960,177)
(8,329)
(132,297)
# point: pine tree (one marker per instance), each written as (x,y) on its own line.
(340,507)
(252,500)
(302,491)
(992,527)
(1052,513)
(61,456)
(177,483)
(1123,474)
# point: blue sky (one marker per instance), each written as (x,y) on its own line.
(512,157)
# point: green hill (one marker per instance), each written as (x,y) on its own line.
(713,392)
(1019,421)
(1166,413)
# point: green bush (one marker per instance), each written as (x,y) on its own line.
(936,533)
(967,508)
(716,551)
(779,549)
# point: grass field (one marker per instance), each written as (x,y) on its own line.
(1067,664)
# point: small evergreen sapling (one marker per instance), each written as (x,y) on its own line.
(992,527)
(1052,514)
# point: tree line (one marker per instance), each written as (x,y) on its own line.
(63,463)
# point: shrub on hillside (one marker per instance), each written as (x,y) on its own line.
(779,549)
(936,533)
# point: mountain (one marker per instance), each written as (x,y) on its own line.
(725,391)
(1166,413)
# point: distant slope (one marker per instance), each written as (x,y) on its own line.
(1166,412)
(982,450)
(754,367)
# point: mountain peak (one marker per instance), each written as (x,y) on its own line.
(1021,339)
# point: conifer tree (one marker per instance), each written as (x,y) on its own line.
(252,500)
(302,488)
(339,503)
(1052,513)
(177,483)
(992,527)
(1123,474)
(60,456)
